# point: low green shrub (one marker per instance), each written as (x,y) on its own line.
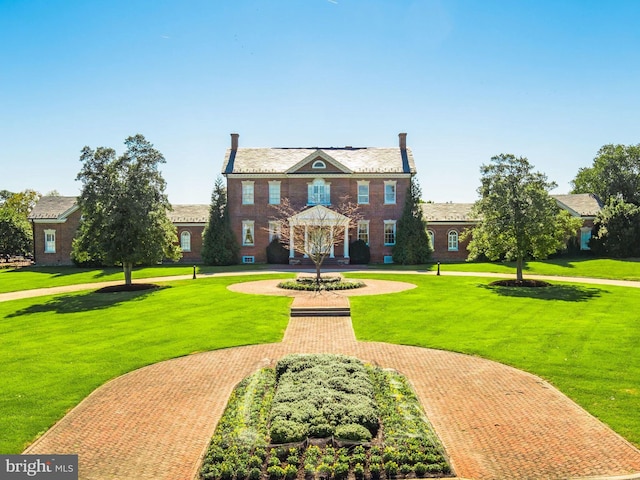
(353,431)
(311,287)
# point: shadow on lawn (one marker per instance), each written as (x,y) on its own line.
(566,293)
(85,302)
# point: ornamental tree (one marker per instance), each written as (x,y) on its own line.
(16,236)
(124,208)
(412,242)
(518,217)
(219,246)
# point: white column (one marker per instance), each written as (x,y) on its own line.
(306,240)
(332,254)
(291,247)
(346,241)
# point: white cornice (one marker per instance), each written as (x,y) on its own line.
(318,174)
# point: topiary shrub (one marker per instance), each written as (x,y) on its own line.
(359,253)
(286,431)
(353,431)
(276,252)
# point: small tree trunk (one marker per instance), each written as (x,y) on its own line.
(318,276)
(519,263)
(127,268)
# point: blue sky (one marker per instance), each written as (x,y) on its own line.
(467,80)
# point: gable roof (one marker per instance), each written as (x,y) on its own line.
(580,204)
(53,208)
(354,159)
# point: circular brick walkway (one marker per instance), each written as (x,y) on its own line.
(496,422)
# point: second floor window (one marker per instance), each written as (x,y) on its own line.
(274,193)
(247,193)
(363,192)
(390,191)
(319,193)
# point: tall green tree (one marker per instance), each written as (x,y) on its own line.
(124,208)
(16,235)
(615,173)
(518,217)
(617,230)
(220,246)
(413,245)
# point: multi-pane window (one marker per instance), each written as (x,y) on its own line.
(274,192)
(363,231)
(319,192)
(363,192)
(390,191)
(248,238)
(432,238)
(453,240)
(247,193)
(389,232)
(185,241)
(49,241)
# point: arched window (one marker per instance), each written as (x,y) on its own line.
(319,164)
(453,240)
(319,192)
(432,237)
(185,241)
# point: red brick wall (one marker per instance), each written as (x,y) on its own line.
(195,255)
(441,251)
(64,238)
(296,190)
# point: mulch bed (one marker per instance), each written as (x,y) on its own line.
(134,287)
(523,283)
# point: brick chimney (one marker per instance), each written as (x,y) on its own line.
(234,141)
(403,141)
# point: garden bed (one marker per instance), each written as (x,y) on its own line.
(520,283)
(327,282)
(324,417)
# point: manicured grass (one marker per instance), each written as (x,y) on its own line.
(55,350)
(627,269)
(13,280)
(582,338)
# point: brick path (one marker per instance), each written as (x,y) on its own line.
(496,422)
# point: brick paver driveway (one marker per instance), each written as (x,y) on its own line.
(496,422)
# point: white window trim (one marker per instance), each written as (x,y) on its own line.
(327,191)
(248,192)
(392,183)
(384,232)
(450,247)
(363,183)
(432,237)
(366,223)
(52,243)
(248,225)
(274,187)
(319,164)
(185,245)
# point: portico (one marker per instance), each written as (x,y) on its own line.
(323,228)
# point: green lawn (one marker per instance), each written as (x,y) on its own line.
(627,269)
(55,350)
(13,280)
(582,338)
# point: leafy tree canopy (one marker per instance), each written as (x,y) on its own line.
(220,246)
(124,208)
(16,236)
(518,218)
(412,242)
(617,230)
(615,172)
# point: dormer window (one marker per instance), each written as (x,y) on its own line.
(318,164)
